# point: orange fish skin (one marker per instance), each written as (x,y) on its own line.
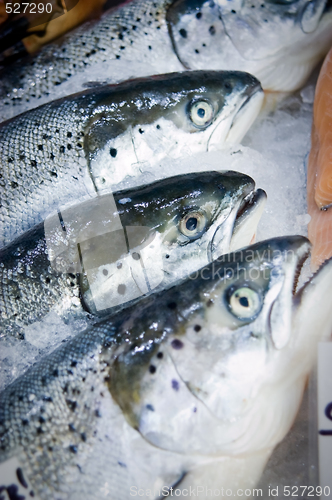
(319,184)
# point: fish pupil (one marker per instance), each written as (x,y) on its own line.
(244,301)
(191,224)
(201,112)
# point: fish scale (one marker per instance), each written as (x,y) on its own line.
(130,34)
(35,158)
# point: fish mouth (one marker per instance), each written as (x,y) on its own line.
(231,130)
(242,225)
(247,218)
(245,116)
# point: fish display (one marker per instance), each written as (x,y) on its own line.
(110,251)
(320,168)
(86,143)
(193,387)
(278,42)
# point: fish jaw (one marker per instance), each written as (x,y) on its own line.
(244,111)
(242,224)
(247,220)
(239,375)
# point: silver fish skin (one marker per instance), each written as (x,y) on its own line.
(278,42)
(85,144)
(195,386)
(102,254)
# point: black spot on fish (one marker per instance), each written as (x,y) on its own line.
(172,305)
(73,363)
(12,491)
(41,420)
(40,147)
(183,33)
(79,145)
(136,256)
(73,448)
(72,405)
(203,45)
(198,15)
(55,373)
(175,385)
(122,464)
(233,11)
(121,289)
(62,149)
(105,272)
(197,51)
(31,493)
(10,160)
(212,30)
(83,437)
(14,184)
(120,36)
(160,355)
(51,157)
(40,430)
(25,421)
(113,152)
(71,428)
(69,146)
(21,478)
(69,135)
(122,47)
(195,410)
(141,131)
(152,369)
(22,157)
(119,265)
(262,6)
(197,328)
(117,57)
(150,48)
(266,21)
(97,413)
(53,174)
(134,27)
(177,344)
(43,381)
(209,303)
(149,407)
(48,280)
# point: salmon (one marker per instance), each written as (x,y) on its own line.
(319,186)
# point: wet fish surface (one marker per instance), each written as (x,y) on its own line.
(195,386)
(101,254)
(278,42)
(85,144)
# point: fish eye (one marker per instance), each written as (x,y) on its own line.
(201,113)
(193,224)
(244,302)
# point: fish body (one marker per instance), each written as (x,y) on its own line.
(193,387)
(279,42)
(320,168)
(101,254)
(85,144)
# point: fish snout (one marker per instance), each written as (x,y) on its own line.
(244,107)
